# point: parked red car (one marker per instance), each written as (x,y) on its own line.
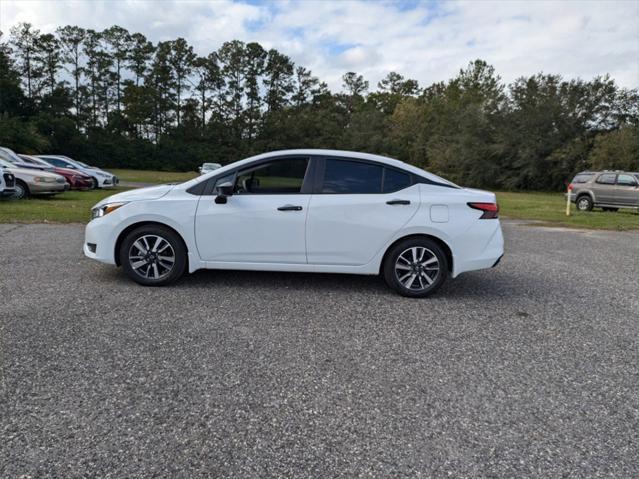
(76,179)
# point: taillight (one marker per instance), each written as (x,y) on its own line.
(491,210)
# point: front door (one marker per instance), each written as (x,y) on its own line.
(357,209)
(263,221)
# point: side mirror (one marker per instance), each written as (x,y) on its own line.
(223,192)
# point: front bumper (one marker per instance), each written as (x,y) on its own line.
(100,236)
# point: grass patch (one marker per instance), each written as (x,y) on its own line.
(550,210)
(156,177)
(68,207)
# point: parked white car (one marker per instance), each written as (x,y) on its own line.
(208,167)
(101,178)
(302,210)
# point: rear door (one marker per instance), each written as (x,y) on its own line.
(356,209)
(627,190)
(605,188)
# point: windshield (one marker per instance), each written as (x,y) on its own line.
(6,164)
(81,164)
(10,155)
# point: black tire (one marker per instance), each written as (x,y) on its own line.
(418,286)
(21,190)
(96,184)
(584,203)
(154,271)
(613,210)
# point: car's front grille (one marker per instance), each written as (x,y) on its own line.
(9,179)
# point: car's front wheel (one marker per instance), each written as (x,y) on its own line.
(416,267)
(153,255)
(21,190)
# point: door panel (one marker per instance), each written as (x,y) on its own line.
(626,191)
(604,188)
(349,229)
(251,229)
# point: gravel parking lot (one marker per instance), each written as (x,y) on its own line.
(527,370)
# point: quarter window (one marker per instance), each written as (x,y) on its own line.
(607,179)
(626,180)
(284,176)
(348,177)
(395,180)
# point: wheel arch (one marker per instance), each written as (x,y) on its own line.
(441,243)
(131,227)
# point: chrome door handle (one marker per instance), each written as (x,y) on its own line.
(289,208)
(398,202)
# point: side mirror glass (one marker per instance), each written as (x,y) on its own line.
(223,192)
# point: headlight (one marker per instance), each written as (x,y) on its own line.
(43,179)
(100,211)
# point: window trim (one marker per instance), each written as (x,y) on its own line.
(314,175)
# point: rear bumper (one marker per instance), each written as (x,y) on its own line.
(483,248)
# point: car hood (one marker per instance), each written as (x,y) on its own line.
(31,172)
(69,171)
(139,194)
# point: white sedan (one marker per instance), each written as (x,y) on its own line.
(302,210)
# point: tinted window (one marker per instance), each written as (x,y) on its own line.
(607,179)
(56,162)
(284,176)
(345,177)
(395,180)
(582,179)
(626,180)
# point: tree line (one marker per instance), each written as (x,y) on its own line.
(114,98)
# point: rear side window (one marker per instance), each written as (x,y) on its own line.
(348,177)
(582,178)
(607,179)
(395,180)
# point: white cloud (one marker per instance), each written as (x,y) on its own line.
(429,42)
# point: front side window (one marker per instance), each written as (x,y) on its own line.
(626,180)
(606,179)
(284,176)
(348,177)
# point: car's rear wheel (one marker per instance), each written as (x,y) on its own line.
(153,255)
(415,267)
(21,190)
(584,203)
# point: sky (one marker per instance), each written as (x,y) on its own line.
(426,40)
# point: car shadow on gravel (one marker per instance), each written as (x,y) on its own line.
(480,284)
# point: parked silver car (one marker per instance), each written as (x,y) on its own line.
(609,190)
(34,182)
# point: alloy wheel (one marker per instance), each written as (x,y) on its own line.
(583,204)
(152,257)
(417,268)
